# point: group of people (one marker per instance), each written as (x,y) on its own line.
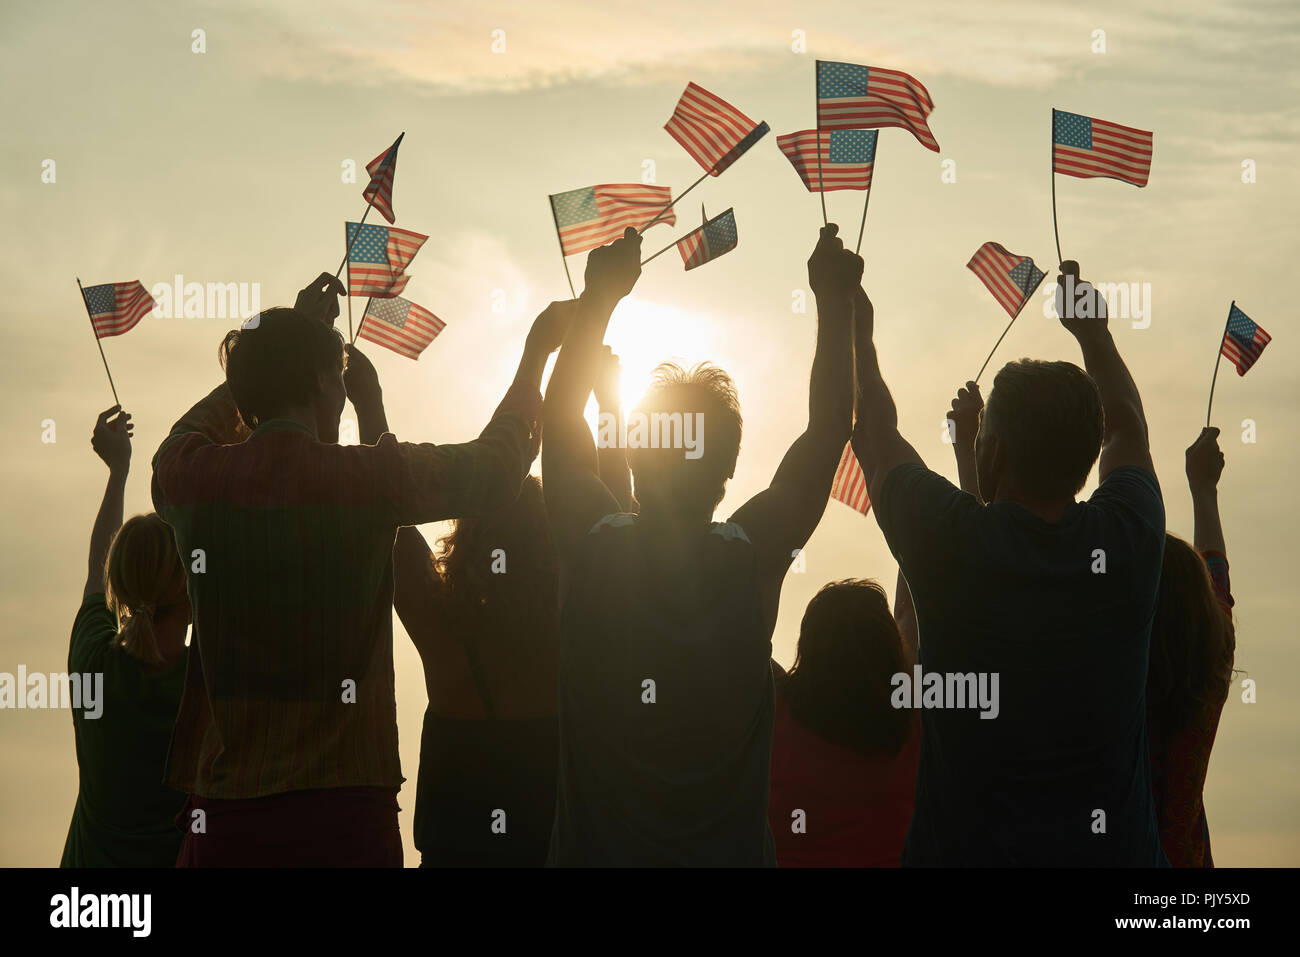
(597,649)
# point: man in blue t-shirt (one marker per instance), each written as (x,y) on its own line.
(1043,600)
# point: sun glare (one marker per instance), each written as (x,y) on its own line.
(644,334)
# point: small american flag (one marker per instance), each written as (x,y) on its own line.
(115,307)
(850,485)
(1011,278)
(591,217)
(714,132)
(854,97)
(382,169)
(715,237)
(1085,147)
(400,325)
(1243,341)
(378,259)
(846,157)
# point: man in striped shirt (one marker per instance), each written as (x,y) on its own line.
(286,738)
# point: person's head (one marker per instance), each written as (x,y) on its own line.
(840,684)
(145,584)
(283,364)
(696,414)
(1192,641)
(1041,431)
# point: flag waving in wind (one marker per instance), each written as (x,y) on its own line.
(1011,278)
(400,325)
(854,97)
(1243,340)
(379,190)
(378,258)
(716,237)
(591,217)
(1085,147)
(116,307)
(845,162)
(850,484)
(714,132)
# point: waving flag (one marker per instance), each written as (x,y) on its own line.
(1243,340)
(850,484)
(846,157)
(115,307)
(591,217)
(716,237)
(400,325)
(1085,147)
(714,132)
(853,97)
(1011,278)
(379,257)
(382,169)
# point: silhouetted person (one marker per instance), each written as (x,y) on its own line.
(134,636)
(1055,597)
(287,733)
(666,701)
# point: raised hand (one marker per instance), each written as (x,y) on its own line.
(552,325)
(1204,462)
(613,270)
(360,379)
(833,271)
(609,380)
(965,415)
(1079,305)
(319,299)
(111,439)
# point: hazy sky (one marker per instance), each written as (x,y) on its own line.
(225,166)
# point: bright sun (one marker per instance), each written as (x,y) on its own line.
(644,334)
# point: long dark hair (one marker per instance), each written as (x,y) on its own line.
(841,681)
(1192,642)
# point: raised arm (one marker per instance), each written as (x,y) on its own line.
(1204,466)
(111,441)
(612,457)
(963,427)
(1083,313)
(576,498)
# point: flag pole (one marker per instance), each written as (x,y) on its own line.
(865,203)
(95,333)
(347,259)
(1217,359)
(1056,231)
(672,202)
(821,187)
(362,323)
(563,258)
(1003,336)
(348,251)
(662,251)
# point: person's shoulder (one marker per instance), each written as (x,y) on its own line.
(92,631)
(1131,487)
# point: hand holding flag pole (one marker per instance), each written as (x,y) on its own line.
(95,333)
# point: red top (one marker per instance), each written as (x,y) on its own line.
(857,807)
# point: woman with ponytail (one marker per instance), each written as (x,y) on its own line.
(129,637)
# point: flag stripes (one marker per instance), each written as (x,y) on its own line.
(1010,277)
(1087,147)
(851,96)
(596,215)
(850,484)
(709,128)
(400,325)
(116,307)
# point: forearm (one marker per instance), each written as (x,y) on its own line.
(1208,534)
(830,390)
(1120,401)
(571,383)
(107,522)
(215,416)
(611,460)
(967,473)
(372,421)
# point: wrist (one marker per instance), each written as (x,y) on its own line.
(118,471)
(1204,493)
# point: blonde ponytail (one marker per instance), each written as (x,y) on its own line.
(143,573)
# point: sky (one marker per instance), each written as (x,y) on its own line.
(227,166)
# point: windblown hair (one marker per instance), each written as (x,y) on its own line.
(1193,642)
(144,575)
(278,364)
(842,678)
(1047,418)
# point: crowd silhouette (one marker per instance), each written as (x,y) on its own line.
(597,648)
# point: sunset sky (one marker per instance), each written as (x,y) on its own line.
(226,167)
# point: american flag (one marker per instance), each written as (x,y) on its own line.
(115,307)
(1243,341)
(382,169)
(1011,278)
(850,485)
(715,237)
(714,132)
(378,259)
(1085,147)
(591,217)
(846,157)
(853,97)
(400,325)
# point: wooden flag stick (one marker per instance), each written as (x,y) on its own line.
(1216,367)
(1028,296)
(672,202)
(347,259)
(95,333)
(563,258)
(1055,229)
(662,251)
(362,323)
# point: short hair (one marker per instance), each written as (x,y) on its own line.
(709,390)
(1047,418)
(275,360)
(143,575)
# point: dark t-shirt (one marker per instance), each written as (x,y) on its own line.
(682,781)
(1061,776)
(125,815)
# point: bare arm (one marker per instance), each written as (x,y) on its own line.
(112,443)
(963,427)
(1204,466)
(416,587)
(612,457)
(905,617)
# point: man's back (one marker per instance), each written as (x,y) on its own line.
(665,704)
(1061,614)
